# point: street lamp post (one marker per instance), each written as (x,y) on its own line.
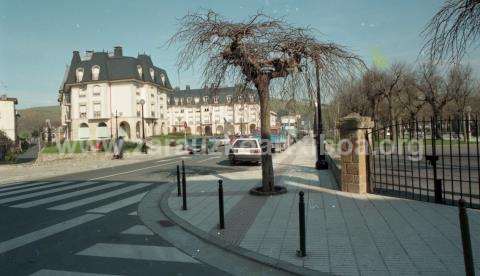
(144,145)
(116,124)
(321,163)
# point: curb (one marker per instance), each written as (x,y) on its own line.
(257,257)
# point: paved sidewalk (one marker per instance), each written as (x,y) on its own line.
(347,234)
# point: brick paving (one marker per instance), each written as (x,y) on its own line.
(347,234)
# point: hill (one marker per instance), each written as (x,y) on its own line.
(35,117)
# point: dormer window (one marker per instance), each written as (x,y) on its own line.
(162,77)
(140,71)
(189,100)
(96,90)
(95,72)
(205,99)
(197,100)
(79,74)
(215,99)
(229,99)
(152,74)
(240,98)
(252,98)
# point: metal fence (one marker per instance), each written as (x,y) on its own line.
(430,160)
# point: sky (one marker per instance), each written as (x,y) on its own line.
(37,37)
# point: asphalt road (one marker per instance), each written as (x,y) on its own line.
(87,222)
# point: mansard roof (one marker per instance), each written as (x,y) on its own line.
(115,67)
(221,92)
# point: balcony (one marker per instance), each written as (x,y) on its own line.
(97,114)
(83,115)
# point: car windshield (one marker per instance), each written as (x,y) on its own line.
(246,144)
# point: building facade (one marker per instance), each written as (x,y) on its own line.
(8,117)
(214,111)
(103,95)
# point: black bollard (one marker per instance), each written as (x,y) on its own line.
(220,204)
(301,215)
(438,191)
(184,187)
(179,190)
(467,245)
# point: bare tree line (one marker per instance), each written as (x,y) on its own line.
(405,93)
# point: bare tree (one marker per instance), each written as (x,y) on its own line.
(460,85)
(410,100)
(453,28)
(258,51)
(433,89)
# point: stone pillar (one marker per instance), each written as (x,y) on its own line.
(353,130)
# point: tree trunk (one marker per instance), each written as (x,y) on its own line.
(262,85)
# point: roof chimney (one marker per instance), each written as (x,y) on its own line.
(187,87)
(76,58)
(117,51)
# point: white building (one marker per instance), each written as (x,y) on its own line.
(8,117)
(103,92)
(214,111)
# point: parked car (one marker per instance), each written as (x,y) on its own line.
(194,145)
(245,149)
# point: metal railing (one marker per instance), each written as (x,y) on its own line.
(430,160)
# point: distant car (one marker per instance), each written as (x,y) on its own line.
(194,145)
(245,149)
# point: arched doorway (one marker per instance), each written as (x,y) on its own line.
(124,130)
(189,130)
(102,131)
(208,130)
(229,129)
(174,129)
(84,132)
(199,130)
(154,129)
(252,128)
(219,130)
(138,131)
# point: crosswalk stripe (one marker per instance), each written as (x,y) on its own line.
(138,230)
(139,252)
(65,196)
(46,232)
(20,185)
(132,171)
(92,199)
(48,272)
(35,188)
(46,192)
(117,204)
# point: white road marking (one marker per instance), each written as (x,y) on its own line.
(65,196)
(141,169)
(118,204)
(133,213)
(210,158)
(46,192)
(35,188)
(138,230)
(46,232)
(92,199)
(173,158)
(20,186)
(139,252)
(48,272)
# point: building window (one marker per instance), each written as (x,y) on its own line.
(97,110)
(138,92)
(197,100)
(240,98)
(83,111)
(82,93)
(79,74)
(95,72)
(229,99)
(189,100)
(215,99)
(162,77)
(140,71)
(152,74)
(252,98)
(96,90)
(205,99)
